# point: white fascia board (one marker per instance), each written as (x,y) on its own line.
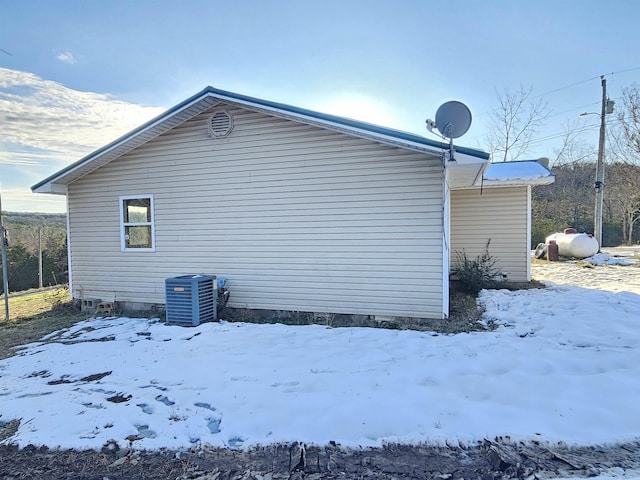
(52,188)
(513,182)
(464,159)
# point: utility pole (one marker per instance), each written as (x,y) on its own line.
(40,256)
(5,275)
(607,107)
(3,240)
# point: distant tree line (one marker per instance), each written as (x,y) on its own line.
(28,233)
(570,202)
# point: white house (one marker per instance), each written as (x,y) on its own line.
(299,210)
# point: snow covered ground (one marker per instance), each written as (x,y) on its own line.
(584,273)
(563,366)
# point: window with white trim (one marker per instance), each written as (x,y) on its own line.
(137,231)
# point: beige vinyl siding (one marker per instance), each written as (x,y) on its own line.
(496,214)
(296,217)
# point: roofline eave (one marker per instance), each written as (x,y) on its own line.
(122,140)
(518,182)
(51,188)
(163,123)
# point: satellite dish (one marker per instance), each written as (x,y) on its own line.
(453,119)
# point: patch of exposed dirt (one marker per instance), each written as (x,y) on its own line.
(8,429)
(489,460)
(95,377)
(119,398)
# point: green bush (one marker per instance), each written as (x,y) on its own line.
(474,274)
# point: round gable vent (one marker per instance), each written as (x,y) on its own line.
(220,124)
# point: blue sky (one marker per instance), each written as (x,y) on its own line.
(82,73)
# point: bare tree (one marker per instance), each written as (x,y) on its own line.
(514,123)
(623,196)
(573,149)
(623,184)
(568,201)
(629,118)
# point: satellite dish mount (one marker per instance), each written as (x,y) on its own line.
(453,120)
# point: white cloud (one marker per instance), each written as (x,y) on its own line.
(67,57)
(23,200)
(46,126)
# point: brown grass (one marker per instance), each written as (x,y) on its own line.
(34,315)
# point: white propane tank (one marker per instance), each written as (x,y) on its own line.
(572,244)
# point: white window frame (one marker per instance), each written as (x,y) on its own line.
(123,224)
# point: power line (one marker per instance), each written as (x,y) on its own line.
(567,86)
(586,80)
(573,109)
(571,86)
(625,71)
(553,136)
(576,131)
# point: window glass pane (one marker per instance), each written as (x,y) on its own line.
(138,237)
(137,210)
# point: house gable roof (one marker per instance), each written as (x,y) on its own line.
(57,183)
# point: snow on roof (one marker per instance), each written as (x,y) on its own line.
(527,172)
